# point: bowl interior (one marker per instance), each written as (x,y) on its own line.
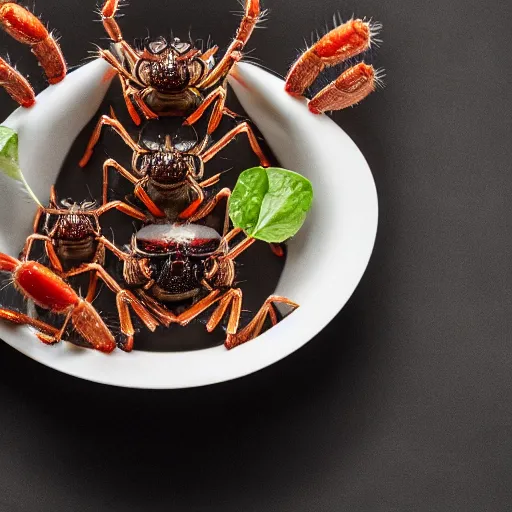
(325,260)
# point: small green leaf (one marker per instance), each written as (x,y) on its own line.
(9,152)
(9,163)
(270,204)
(247,196)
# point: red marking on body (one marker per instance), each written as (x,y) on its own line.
(44,287)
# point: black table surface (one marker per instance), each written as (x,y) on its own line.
(404,402)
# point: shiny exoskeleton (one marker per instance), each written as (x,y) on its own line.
(75,236)
(171,263)
(172,77)
(28,29)
(75,245)
(72,232)
(165,174)
(175,262)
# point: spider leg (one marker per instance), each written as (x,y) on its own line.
(26,28)
(338,45)
(233,53)
(222,143)
(115,124)
(255,326)
(16,85)
(124,298)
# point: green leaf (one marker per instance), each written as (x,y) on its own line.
(270,204)
(246,198)
(9,163)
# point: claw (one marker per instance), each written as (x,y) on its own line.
(16,85)
(26,28)
(338,45)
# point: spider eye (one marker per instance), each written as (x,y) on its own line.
(181,47)
(158,46)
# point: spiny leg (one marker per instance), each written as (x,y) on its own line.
(255,326)
(164,316)
(109,23)
(18,318)
(125,78)
(124,298)
(26,28)
(232,297)
(50,250)
(111,163)
(113,123)
(222,143)
(139,191)
(349,88)
(199,307)
(233,53)
(338,45)
(16,85)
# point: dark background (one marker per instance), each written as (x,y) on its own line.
(404,402)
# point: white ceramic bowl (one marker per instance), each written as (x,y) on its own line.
(326,260)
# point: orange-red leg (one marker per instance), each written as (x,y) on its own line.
(199,307)
(112,248)
(232,297)
(138,191)
(111,163)
(217,96)
(16,85)
(139,100)
(240,248)
(89,324)
(350,88)
(26,28)
(277,249)
(95,137)
(109,23)
(52,339)
(125,78)
(141,194)
(338,45)
(233,53)
(124,299)
(191,210)
(164,316)
(123,208)
(222,143)
(255,326)
(50,250)
(18,318)
(225,193)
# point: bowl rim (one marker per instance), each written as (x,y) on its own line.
(175,370)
